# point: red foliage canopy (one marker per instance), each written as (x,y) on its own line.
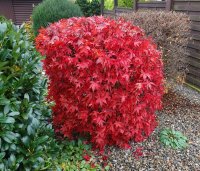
(105,78)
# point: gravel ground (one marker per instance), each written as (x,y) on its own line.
(181,112)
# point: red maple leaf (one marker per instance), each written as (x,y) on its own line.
(149,85)
(83,65)
(94,86)
(138,152)
(98,120)
(145,75)
(101,100)
(87,157)
(83,116)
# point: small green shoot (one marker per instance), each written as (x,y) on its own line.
(173,139)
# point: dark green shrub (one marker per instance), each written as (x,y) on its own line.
(89,8)
(95,8)
(22,103)
(50,11)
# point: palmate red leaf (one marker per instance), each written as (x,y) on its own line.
(149,85)
(137,109)
(118,125)
(82,65)
(98,120)
(94,86)
(139,86)
(105,77)
(87,157)
(138,152)
(83,116)
(102,99)
(145,75)
(100,60)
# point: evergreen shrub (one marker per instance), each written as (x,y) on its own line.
(49,11)
(23,110)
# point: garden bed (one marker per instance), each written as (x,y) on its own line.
(181,112)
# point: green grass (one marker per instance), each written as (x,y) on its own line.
(193,87)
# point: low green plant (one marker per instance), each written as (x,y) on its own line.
(173,139)
(89,7)
(49,11)
(69,155)
(73,160)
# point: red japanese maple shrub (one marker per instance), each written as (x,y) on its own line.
(105,78)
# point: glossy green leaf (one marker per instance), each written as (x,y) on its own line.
(9,141)
(13,114)
(2,154)
(26,96)
(10,135)
(41,140)
(19,159)
(6,109)
(2,166)
(35,122)
(3,27)
(4,101)
(13,147)
(12,159)
(24,116)
(26,140)
(7,120)
(2,64)
(30,111)
(30,130)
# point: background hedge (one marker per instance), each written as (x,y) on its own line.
(171,32)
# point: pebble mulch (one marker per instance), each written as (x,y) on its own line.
(181,112)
